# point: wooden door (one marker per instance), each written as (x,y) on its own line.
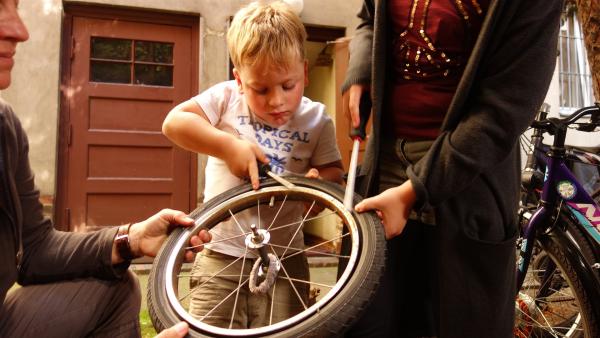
(124,72)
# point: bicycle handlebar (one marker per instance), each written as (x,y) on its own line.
(552,125)
(558,128)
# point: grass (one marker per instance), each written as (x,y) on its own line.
(146,324)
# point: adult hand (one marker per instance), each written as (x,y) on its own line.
(241,159)
(352,102)
(146,237)
(178,330)
(392,206)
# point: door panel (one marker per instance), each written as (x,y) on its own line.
(117,166)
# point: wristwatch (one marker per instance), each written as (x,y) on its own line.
(122,243)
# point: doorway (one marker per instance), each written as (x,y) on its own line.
(123,70)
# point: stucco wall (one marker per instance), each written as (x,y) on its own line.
(34,92)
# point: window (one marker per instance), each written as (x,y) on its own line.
(574,73)
(131,62)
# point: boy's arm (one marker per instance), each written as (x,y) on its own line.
(188,126)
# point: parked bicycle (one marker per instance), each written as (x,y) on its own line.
(558,269)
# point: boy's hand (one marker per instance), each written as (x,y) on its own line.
(312,173)
(241,160)
(393,207)
(317,208)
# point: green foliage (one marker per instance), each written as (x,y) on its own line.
(146,324)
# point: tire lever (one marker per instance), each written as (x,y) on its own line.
(264,170)
(357,135)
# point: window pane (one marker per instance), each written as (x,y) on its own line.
(111,49)
(113,72)
(153,75)
(574,72)
(157,52)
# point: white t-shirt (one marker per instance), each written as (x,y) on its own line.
(307,140)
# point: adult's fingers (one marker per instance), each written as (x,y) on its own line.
(175,217)
(178,330)
(366,205)
(354,94)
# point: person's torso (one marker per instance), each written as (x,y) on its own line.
(8,227)
(431,41)
(8,264)
(290,149)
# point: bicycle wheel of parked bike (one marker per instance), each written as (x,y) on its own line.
(345,252)
(554,301)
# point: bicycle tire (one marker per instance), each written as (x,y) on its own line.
(566,311)
(330,316)
(584,243)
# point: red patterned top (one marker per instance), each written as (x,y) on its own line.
(431,43)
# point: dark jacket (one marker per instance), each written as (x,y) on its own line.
(505,82)
(31,250)
(470,175)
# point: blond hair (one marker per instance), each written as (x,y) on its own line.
(266,33)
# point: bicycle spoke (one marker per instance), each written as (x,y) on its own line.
(224,299)
(238,289)
(298,229)
(258,213)
(249,232)
(218,241)
(554,306)
(292,284)
(297,222)
(209,275)
(272,304)
(208,280)
(278,211)
(306,282)
(535,323)
(309,249)
(236,222)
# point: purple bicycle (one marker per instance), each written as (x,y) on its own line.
(558,269)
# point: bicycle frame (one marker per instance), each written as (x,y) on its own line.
(582,205)
(560,188)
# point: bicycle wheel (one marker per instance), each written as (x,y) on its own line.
(553,301)
(346,260)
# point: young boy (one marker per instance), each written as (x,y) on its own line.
(261,116)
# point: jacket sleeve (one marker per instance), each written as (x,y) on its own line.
(361,48)
(51,255)
(512,81)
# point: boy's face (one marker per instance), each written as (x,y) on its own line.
(273,93)
(12,31)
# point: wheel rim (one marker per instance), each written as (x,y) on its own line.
(333,208)
(555,314)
